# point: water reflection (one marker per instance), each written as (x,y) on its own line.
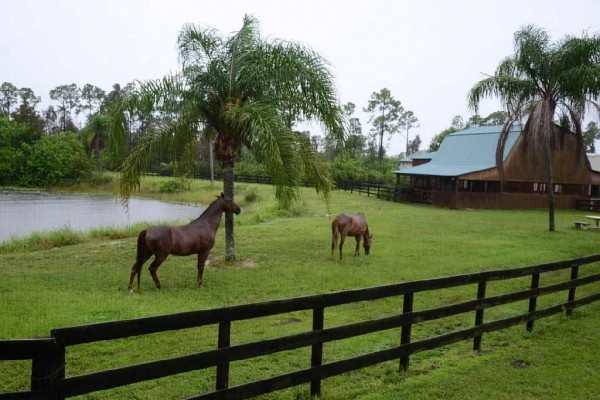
(22,213)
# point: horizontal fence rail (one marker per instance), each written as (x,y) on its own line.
(383,191)
(48,380)
(380,190)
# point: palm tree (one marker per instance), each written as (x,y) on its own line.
(239,91)
(549,81)
(95,134)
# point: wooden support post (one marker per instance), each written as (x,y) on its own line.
(316,357)
(47,369)
(574,275)
(535,283)
(407,307)
(479,314)
(224,341)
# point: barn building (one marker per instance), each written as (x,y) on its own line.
(463,174)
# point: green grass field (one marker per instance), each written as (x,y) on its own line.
(45,284)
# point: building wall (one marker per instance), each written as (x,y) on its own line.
(463,200)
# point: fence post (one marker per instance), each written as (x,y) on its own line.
(574,275)
(407,307)
(535,283)
(47,369)
(479,314)
(316,357)
(223,341)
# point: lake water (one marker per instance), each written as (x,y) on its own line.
(22,213)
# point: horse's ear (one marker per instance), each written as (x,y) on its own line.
(222,194)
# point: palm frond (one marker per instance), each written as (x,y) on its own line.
(197,46)
(135,164)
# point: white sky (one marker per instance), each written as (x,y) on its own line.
(428,53)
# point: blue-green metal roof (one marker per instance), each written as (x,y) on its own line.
(419,155)
(466,151)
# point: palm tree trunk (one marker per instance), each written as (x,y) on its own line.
(550,187)
(228,191)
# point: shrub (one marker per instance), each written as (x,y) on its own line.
(170,186)
(56,158)
(251,194)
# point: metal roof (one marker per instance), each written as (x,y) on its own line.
(594,161)
(466,151)
(419,155)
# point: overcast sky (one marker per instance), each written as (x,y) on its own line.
(427,53)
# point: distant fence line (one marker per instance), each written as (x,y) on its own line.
(48,355)
(380,190)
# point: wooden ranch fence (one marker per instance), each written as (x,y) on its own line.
(381,191)
(48,380)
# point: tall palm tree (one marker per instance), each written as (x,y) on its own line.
(239,91)
(549,82)
(95,134)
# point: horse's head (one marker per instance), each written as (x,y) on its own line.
(229,205)
(367,243)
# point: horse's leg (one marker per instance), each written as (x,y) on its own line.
(357,249)
(342,240)
(135,270)
(201,261)
(158,259)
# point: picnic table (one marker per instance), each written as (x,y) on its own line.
(595,218)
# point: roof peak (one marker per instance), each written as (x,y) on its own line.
(488,129)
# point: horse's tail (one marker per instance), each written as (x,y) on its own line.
(335,232)
(143,253)
(142,247)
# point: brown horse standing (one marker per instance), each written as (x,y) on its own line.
(197,237)
(350,225)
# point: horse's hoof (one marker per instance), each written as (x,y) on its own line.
(131,291)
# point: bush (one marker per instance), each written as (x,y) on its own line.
(56,158)
(165,169)
(13,151)
(171,186)
(251,194)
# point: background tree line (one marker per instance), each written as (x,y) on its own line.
(86,112)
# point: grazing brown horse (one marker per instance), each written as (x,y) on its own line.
(197,237)
(350,225)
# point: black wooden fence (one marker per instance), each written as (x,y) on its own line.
(48,380)
(382,191)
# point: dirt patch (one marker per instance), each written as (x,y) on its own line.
(289,321)
(519,364)
(248,262)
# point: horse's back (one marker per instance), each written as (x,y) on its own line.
(351,225)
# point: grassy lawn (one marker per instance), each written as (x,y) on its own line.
(286,254)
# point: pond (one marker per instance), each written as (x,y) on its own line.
(22,213)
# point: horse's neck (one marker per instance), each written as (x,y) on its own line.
(212,215)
